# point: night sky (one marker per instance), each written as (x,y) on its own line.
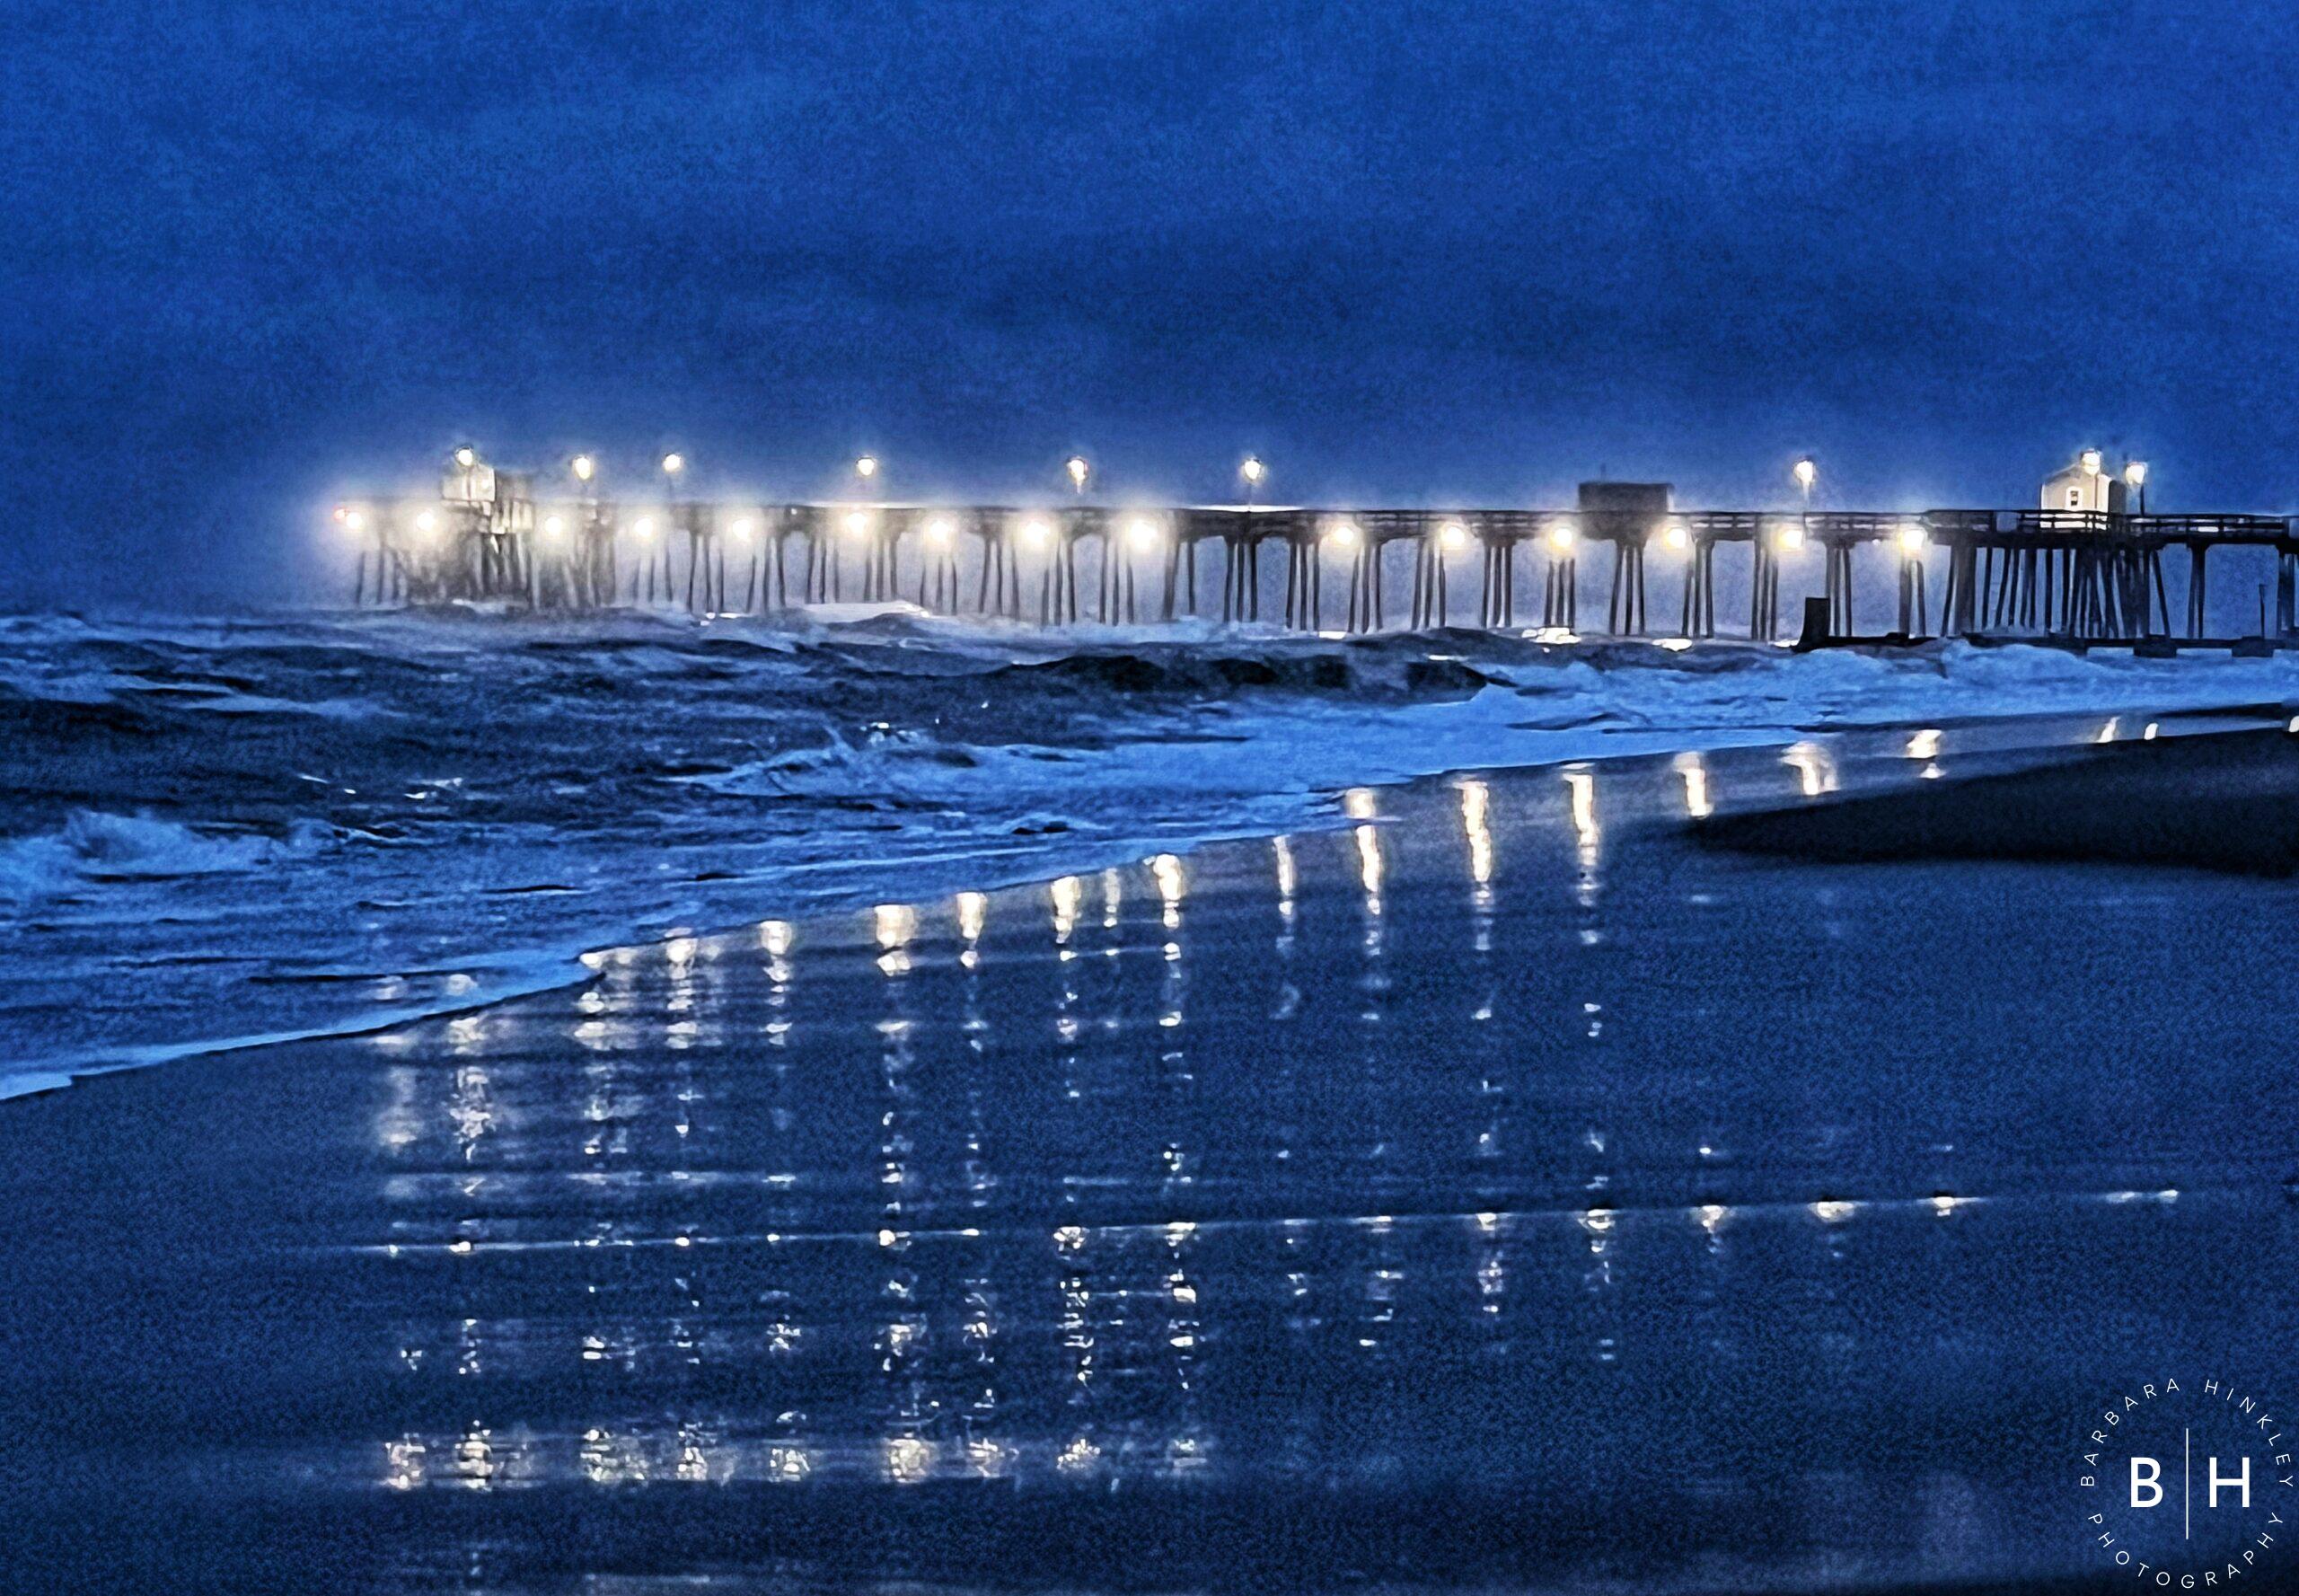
(256,256)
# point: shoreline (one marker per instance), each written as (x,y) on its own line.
(1347,1171)
(213,847)
(1834,832)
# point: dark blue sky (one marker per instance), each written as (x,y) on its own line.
(255,254)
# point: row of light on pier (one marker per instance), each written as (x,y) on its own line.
(1142,533)
(585,468)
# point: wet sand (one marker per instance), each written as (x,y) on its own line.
(1502,1190)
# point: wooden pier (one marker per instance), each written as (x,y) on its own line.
(2081,575)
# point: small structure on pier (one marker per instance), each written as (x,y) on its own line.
(2084,484)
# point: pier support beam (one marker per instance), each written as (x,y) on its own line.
(1497,605)
(1624,612)
(1560,599)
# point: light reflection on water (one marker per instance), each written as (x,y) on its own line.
(1492,1135)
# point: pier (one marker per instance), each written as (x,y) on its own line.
(2083,575)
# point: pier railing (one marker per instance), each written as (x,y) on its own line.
(2083,575)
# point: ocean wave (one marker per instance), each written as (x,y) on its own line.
(95,847)
(399,802)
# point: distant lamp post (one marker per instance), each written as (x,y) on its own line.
(1806,474)
(466,457)
(866,466)
(1078,471)
(2135,476)
(1142,534)
(1253,471)
(2091,460)
(674,464)
(584,467)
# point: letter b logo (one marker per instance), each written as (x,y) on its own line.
(2146,1490)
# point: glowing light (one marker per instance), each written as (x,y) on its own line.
(1142,534)
(2135,473)
(1913,539)
(858,521)
(2089,460)
(1171,888)
(940,530)
(894,924)
(425,522)
(1675,535)
(1452,536)
(1789,539)
(973,910)
(553,527)
(354,519)
(643,529)
(1474,800)
(867,466)
(466,456)
(1079,470)
(586,468)
(1038,532)
(1815,770)
(1806,473)
(1342,534)
(743,529)
(1253,470)
(1583,786)
(1561,536)
(673,464)
(1698,805)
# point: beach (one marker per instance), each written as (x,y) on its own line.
(1491,1183)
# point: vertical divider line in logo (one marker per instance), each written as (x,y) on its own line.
(2187,1497)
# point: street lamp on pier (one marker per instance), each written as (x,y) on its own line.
(2135,476)
(1253,471)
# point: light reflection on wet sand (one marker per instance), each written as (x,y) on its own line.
(1493,1144)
